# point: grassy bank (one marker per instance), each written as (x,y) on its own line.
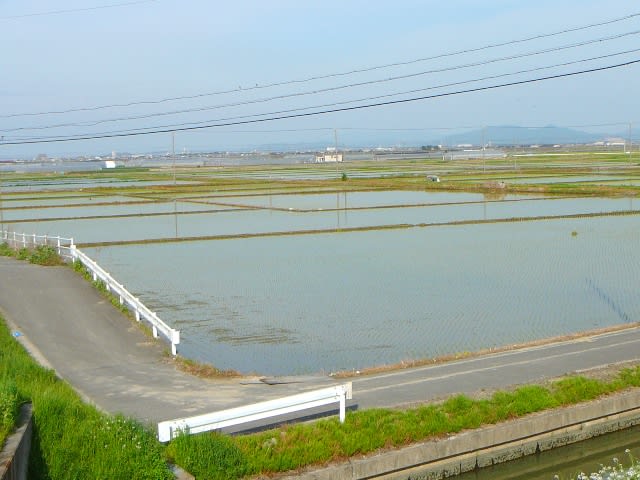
(9,406)
(213,456)
(72,440)
(41,255)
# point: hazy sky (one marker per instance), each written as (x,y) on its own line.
(69,55)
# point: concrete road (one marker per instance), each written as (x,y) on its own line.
(70,327)
(500,370)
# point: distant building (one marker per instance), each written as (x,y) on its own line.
(109,164)
(329,158)
(615,142)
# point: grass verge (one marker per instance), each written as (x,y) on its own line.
(213,456)
(73,440)
(9,405)
(99,285)
(41,255)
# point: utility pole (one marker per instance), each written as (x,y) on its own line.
(484,168)
(335,139)
(175,203)
(630,143)
(1,207)
(173,155)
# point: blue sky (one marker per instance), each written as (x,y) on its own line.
(139,51)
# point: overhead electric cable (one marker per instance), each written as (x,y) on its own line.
(346,102)
(335,104)
(331,75)
(335,88)
(74,10)
(324,112)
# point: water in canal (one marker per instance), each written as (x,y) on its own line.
(566,462)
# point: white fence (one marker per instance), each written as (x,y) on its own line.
(23,240)
(67,249)
(258,411)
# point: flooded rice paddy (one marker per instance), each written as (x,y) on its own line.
(341,300)
(138,222)
(298,304)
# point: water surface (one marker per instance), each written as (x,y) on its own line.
(299,304)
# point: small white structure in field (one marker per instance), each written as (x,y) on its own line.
(109,164)
(329,158)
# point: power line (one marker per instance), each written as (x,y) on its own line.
(74,10)
(323,112)
(175,127)
(346,102)
(325,76)
(365,99)
(340,87)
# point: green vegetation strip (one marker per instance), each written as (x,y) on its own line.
(397,226)
(127,215)
(73,440)
(245,207)
(9,407)
(93,204)
(41,255)
(214,456)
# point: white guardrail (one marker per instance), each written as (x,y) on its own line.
(258,411)
(67,250)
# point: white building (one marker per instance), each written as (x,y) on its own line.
(329,158)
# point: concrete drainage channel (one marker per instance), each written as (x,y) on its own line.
(14,457)
(469,450)
(434,459)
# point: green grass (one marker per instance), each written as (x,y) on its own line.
(72,440)
(212,456)
(99,285)
(41,255)
(9,405)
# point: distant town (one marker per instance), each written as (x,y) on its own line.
(328,155)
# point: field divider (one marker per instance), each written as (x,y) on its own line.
(367,228)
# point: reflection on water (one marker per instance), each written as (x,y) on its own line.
(225,220)
(298,304)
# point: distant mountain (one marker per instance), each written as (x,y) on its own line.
(514,135)
(493,135)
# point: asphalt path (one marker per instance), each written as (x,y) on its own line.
(497,371)
(69,327)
